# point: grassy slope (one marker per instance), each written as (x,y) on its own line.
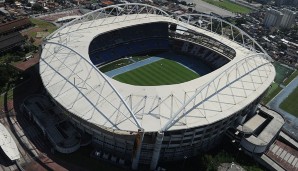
(290,103)
(1,102)
(230,6)
(42,24)
(162,72)
(273,91)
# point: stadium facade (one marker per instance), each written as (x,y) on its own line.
(151,124)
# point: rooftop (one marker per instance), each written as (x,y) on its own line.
(11,25)
(114,105)
(269,132)
(8,145)
(10,40)
(251,125)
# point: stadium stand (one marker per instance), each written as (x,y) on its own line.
(213,58)
(127,49)
(147,38)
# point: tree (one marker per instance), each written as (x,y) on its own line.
(10,1)
(240,21)
(37,7)
(32,40)
(282,47)
(26,36)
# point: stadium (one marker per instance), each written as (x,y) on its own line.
(181,82)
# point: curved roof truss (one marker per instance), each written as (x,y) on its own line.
(246,74)
(236,72)
(223,28)
(71,52)
(107,12)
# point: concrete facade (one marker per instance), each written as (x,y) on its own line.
(177,121)
(288,18)
(272,18)
(279,19)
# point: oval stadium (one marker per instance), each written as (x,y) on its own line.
(151,87)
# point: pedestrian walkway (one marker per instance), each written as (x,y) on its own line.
(284,155)
(132,66)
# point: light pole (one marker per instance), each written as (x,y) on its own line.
(185,157)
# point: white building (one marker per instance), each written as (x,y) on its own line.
(2,3)
(272,18)
(152,124)
(295,3)
(288,18)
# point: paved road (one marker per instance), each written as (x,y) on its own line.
(132,66)
(204,7)
(291,121)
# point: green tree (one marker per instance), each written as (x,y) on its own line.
(37,7)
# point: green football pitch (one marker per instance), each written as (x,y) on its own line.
(162,72)
(290,103)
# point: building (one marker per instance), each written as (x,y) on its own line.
(4,12)
(279,19)
(8,144)
(292,49)
(152,124)
(263,1)
(10,41)
(2,3)
(259,132)
(295,3)
(62,135)
(15,25)
(286,2)
(280,2)
(288,18)
(272,18)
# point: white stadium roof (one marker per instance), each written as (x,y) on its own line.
(7,144)
(74,82)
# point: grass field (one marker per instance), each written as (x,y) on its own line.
(230,6)
(40,26)
(290,104)
(273,91)
(291,77)
(162,72)
(43,25)
(282,72)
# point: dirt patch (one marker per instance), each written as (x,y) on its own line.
(31,33)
